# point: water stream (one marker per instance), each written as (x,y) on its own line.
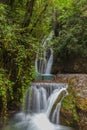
(44,61)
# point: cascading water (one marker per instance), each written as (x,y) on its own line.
(44,63)
(50,61)
(41,94)
(41,107)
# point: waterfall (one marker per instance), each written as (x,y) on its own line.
(40,95)
(50,61)
(43,61)
(39,109)
(51,101)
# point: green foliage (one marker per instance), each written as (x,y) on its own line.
(71,38)
(18,47)
(69,102)
(6,92)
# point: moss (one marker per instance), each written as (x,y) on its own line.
(81,103)
(69,103)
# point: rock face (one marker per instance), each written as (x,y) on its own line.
(71,64)
(74,106)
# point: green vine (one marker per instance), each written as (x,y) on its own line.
(6,91)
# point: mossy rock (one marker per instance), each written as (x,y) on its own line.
(69,110)
(81,103)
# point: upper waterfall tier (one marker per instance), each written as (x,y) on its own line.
(44,57)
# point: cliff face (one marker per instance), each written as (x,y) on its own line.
(74,106)
(69,65)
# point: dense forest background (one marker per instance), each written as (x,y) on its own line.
(23,25)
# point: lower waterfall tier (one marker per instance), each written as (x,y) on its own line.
(46,98)
(41,109)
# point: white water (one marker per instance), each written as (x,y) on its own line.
(44,61)
(40,95)
(50,62)
(51,100)
(36,115)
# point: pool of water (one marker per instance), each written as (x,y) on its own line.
(7,127)
(34,123)
(45,77)
(57,128)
